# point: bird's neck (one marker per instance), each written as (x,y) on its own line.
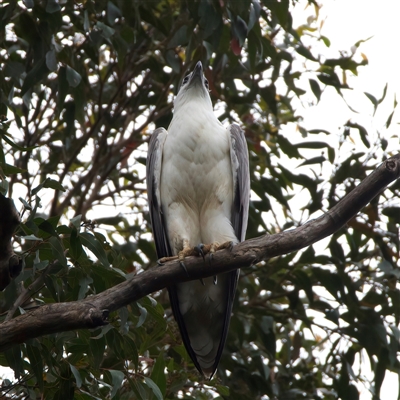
(193,112)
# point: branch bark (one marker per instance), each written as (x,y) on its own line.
(93,311)
(10,263)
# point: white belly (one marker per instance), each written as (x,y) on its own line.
(196,185)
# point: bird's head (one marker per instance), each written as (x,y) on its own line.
(194,87)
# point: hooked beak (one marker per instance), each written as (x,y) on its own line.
(197,73)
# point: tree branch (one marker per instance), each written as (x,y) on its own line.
(93,311)
(10,263)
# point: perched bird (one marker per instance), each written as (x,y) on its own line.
(198,188)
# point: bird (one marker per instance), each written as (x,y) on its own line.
(198,188)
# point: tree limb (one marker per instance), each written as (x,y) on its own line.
(93,311)
(10,263)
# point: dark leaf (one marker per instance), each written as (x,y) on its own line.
(97,347)
(117,378)
(158,375)
(106,31)
(314,160)
(287,147)
(326,41)
(143,315)
(155,389)
(75,245)
(315,88)
(113,12)
(35,75)
(330,79)
(51,60)
(28,3)
(90,241)
(255,10)
(73,78)
(305,52)
(239,30)
(77,376)
(47,227)
(58,250)
(14,360)
(36,362)
(52,6)
(393,213)
(362,131)
(11,169)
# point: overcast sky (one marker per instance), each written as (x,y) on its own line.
(345,23)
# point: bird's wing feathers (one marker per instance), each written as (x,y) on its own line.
(241,181)
(153,178)
(232,279)
(153,174)
(174,300)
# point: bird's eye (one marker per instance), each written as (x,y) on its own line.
(185,80)
(206,83)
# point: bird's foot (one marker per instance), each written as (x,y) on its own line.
(209,248)
(163,260)
(180,257)
(227,245)
(199,250)
(185,252)
(215,246)
(182,264)
(203,249)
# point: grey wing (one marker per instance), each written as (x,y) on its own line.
(239,216)
(153,178)
(241,181)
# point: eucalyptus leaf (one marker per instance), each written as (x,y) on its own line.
(73,77)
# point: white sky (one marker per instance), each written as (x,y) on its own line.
(347,22)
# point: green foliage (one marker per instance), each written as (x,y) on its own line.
(84,84)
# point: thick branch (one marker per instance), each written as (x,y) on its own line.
(93,311)
(10,264)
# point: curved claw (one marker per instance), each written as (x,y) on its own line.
(199,250)
(210,261)
(182,264)
(231,246)
(160,263)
